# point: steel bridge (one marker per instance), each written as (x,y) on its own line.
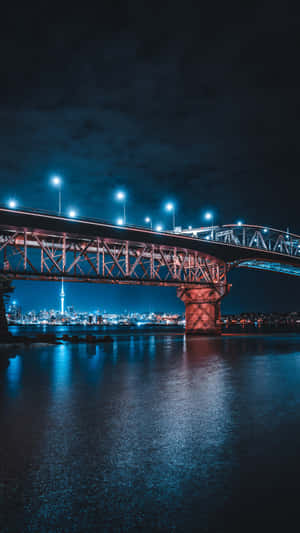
(43,246)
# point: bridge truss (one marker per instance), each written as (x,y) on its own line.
(51,256)
(278,243)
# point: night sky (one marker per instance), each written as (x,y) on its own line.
(176,101)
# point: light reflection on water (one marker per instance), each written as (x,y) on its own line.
(152,430)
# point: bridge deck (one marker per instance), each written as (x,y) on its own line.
(230,253)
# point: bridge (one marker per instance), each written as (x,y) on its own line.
(43,246)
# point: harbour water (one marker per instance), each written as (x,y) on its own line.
(154,431)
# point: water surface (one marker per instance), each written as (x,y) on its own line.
(151,432)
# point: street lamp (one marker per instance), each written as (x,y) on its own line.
(159,227)
(148,220)
(57,182)
(239,223)
(121,197)
(72,213)
(12,204)
(210,216)
(170,207)
(120,221)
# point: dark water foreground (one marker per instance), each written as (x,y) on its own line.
(152,432)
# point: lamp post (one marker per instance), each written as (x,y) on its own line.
(121,197)
(171,209)
(56,181)
(148,220)
(210,216)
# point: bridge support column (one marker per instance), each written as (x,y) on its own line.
(202,308)
(5,288)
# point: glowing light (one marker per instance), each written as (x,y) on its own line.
(159,227)
(265,230)
(148,220)
(170,206)
(207,237)
(56,180)
(190,227)
(120,221)
(240,223)
(12,204)
(120,195)
(208,216)
(72,213)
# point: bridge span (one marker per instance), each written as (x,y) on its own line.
(44,246)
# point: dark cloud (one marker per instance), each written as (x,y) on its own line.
(195,102)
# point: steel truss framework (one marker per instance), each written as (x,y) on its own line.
(39,255)
(257,238)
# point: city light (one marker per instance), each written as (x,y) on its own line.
(265,230)
(240,223)
(158,227)
(12,204)
(72,213)
(120,221)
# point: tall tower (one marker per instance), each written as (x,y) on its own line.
(62,298)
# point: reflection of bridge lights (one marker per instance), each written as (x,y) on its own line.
(12,204)
(120,221)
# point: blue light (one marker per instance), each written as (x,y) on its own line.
(170,206)
(120,195)
(12,204)
(207,237)
(72,213)
(159,227)
(240,223)
(56,181)
(265,230)
(120,221)
(208,216)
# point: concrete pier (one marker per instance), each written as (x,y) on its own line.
(202,308)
